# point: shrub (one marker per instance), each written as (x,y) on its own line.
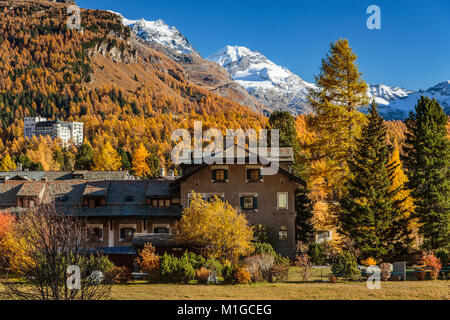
(444,255)
(148,261)
(345,265)
(228,272)
(119,275)
(213,264)
(279,272)
(242,275)
(431,263)
(302,261)
(369,262)
(196,260)
(202,275)
(385,271)
(264,248)
(420,274)
(176,269)
(332,279)
(259,266)
(319,253)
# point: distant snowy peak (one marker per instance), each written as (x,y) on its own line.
(273,85)
(395,103)
(161,33)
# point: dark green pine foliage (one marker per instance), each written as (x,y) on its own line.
(427,163)
(285,123)
(370,217)
(304,228)
(84,160)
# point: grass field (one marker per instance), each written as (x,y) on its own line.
(292,290)
(286,291)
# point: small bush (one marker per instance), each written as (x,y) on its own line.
(332,279)
(228,272)
(196,260)
(242,275)
(444,255)
(264,248)
(120,275)
(385,271)
(302,261)
(148,261)
(345,265)
(420,274)
(202,275)
(213,264)
(279,272)
(319,253)
(175,269)
(259,266)
(431,263)
(369,262)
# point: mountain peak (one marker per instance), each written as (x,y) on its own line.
(161,33)
(273,85)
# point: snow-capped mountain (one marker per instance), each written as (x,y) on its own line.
(395,103)
(159,32)
(274,86)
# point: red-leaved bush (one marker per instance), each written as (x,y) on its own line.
(432,264)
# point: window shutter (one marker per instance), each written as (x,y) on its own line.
(226,174)
(255,202)
(260,174)
(242,202)
(248,174)
(214,175)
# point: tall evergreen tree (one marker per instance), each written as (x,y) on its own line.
(427,163)
(285,123)
(370,215)
(304,227)
(84,160)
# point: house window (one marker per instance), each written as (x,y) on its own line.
(160,202)
(282,233)
(161,230)
(127,233)
(92,203)
(95,233)
(282,202)
(220,175)
(253,175)
(249,202)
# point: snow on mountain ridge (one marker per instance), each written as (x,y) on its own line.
(273,85)
(159,32)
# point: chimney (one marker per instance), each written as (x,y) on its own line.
(162,172)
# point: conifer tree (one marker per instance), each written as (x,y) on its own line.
(336,120)
(285,123)
(370,215)
(126,159)
(140,165)
(427,163)
(303,221)
(107,159)
(84,160)
(153,165)
(7,164)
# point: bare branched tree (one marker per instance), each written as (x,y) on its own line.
(48,243)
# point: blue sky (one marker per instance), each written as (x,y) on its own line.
(411,50)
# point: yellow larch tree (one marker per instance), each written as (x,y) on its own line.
(140,166)
(7,164)
(107,159)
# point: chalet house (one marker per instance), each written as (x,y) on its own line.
(125,214)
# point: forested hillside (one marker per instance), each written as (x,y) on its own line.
(124,93)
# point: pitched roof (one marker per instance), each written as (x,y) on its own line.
(32,189)
(96,189)
(66,175)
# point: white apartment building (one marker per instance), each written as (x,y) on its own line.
(66,131)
